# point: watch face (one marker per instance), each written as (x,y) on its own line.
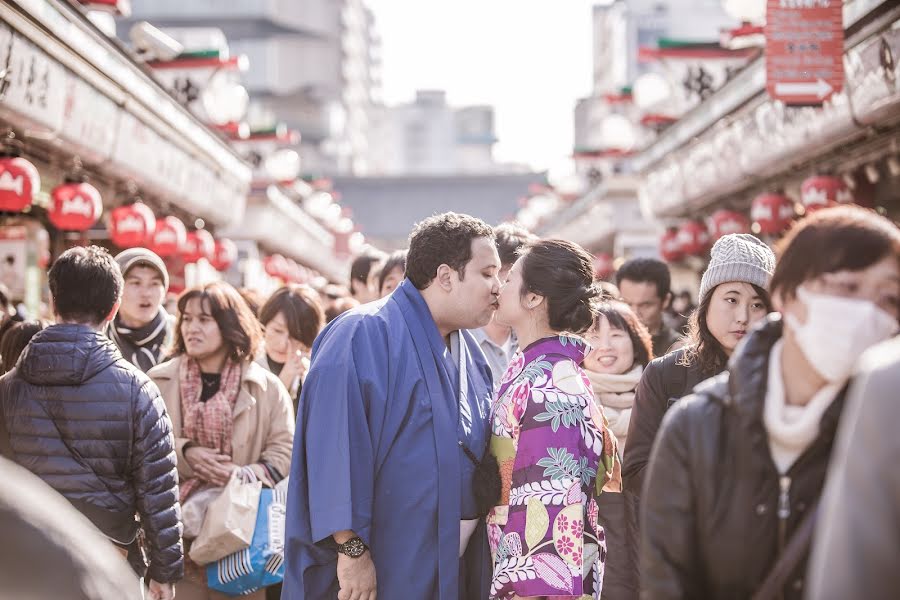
(354,548)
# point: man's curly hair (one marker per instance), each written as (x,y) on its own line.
(442,239)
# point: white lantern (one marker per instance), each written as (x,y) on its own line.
(283,165)
(651,91)
(617,133)
(224,100)
(750,11)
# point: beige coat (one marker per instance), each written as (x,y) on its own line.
(263,418)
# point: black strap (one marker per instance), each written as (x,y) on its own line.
(797,547)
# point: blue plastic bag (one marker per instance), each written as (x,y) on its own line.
(262,563)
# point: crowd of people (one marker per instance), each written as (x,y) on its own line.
(476,417)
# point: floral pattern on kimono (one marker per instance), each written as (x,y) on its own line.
(555,455)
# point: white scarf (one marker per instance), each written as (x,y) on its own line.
(615,396)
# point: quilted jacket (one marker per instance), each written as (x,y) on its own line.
(95,429)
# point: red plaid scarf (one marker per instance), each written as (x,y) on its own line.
(208,424)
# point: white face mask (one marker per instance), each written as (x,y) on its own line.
(837,331)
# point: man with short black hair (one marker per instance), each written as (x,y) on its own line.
(362,287)
(644,284)
(92,426)
(393,419)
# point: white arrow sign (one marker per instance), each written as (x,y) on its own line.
(819,89)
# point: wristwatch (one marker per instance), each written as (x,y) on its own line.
(354,547)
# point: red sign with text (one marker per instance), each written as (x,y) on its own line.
(804,50)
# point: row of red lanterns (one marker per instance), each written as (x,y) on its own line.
(285,269)
(770,214)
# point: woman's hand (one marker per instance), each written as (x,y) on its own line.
(209,465)
(296,365)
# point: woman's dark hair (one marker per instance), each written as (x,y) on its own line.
(843,238)
(302,311)
(397,260)
(444,239)
(14,341)
(563,273)
(85,283)
(254,299)
(240,329)
(620,316)
(701,346)
(339,307)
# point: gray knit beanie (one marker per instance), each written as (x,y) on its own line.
(738,257)
(143,257)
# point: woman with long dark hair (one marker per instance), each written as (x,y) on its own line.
(733,298)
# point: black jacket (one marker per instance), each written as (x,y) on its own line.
(715,512)
(95,429)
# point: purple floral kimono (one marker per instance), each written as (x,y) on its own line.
(555,455)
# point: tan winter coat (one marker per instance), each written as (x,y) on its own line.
(263,418)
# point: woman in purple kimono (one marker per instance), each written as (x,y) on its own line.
(548,435)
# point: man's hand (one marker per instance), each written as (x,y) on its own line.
(209,465)
(356,577)
(161,591)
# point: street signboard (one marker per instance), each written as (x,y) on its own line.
(804,50)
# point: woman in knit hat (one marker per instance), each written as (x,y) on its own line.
(733,298)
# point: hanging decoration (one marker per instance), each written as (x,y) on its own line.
(821,191)
(275,265)
(724,222)
(670,247)
(224,254)
(19,181)
(132,225)
(771,213)
(603,265)
(693,238)
(170,236)
(198,244)
(74,206)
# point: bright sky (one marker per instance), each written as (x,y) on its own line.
(530,59)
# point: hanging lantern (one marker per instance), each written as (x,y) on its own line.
(75,206)
(724,222)
(275,265)
(198,244)
(669,246)
(169,237)
(19,181)
(132,225)
(224,255)
(772,213)
(603,265)
(693,238)
(821,191)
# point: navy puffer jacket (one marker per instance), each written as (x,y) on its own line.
(95,429)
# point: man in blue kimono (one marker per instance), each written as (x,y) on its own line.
(394,415)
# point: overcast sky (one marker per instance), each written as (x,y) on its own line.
(530,59)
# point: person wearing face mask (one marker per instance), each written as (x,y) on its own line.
(733,298)
(738,468)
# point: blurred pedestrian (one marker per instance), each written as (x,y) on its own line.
(362,285)
(228,413)
(93,426)
(142,328)
(733,298)
(548,434)
(737,468)
(13,342)
(339,307)
(394,418)
(680,311)
(291,320)
(645,285)
(392,273)
(498,342)
(857,543)
(253,298)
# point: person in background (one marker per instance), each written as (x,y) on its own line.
(620,349)
(855,548)
(498,342)
(93,426)
(13,342)
(733,298)
(362,285)
(548,435)
(644,284)
(610,291)
(291,320)
(339,307)
(392,273)
(142,328)
(737,467)
(253,298)
(228,413)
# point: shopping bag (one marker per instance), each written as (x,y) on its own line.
(193,511)
(229,522)
(262,563)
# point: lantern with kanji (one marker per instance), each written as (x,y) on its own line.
(132,225)
(19,181)
(275,265)
(669,246)
(198,244)
(772,213)
(693,238)
(169,237)
(74,206)
(224,255)
(724,222)
(603,265)
(821,191)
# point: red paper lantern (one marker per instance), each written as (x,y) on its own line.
(169,237)
(670,247)
(19,181)
(724,222)
(821,191)
(275,265)
(772,213)
(198,244)
(132,225)
(693,238)
(74,206)
(224,255)
(603,265)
